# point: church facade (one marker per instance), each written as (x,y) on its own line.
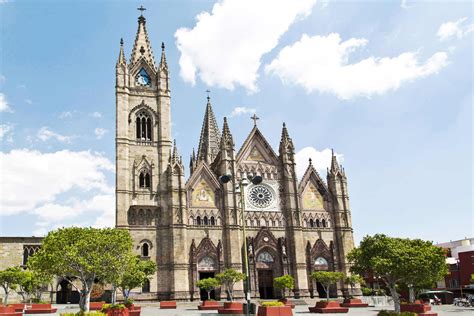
(193,227)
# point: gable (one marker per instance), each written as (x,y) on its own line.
(256,149)
(312,198)
(203,195)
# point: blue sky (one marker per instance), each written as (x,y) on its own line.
(387,84)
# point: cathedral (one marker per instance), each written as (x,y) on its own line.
(194,227)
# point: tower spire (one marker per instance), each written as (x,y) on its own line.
(227,142)
(142,46)
(334,164)
(163,63)
(210,136)
(121,59)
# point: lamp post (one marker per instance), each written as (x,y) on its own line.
(241,187)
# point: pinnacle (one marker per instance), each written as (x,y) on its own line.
(142,47)
(210,136)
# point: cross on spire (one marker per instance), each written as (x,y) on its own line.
(141,9)
(208,97)
(254,117)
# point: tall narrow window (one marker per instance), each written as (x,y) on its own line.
(198,220)
(317,223)
(147,180)
(311,223)
(324,223)
(213,221)
(144,179)
(145,250)
(144,125)
(146,286)
(206,222)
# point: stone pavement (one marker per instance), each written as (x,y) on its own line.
(189,309)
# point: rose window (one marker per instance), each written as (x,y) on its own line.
(260,196)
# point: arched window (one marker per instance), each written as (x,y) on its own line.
(144,179)
(206,222)
(311,223)
(198,220)
(213,221)
(145,250)
(146,286)
(329,223)
(321,264)
(265,256)
(317,223)
(324,223)
(143,124)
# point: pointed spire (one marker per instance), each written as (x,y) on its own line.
(175,152)
(334,164)
(226,139)
(286,143)
(163,63)
(121,59)
(142,46)
(192,162)
(210,136)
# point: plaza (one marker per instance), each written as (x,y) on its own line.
(190,308)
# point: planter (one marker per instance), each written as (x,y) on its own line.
(353,302)
(325,307)
(415,308)
(134,310)
(18,307)
(96,306)
(274,311)
(168,305)
(118,312)
(40,309)
(287,302)
(231,308)
(210,305)
(9,311)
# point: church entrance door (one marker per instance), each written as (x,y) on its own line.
(265,283)
(321,291)
(203,293)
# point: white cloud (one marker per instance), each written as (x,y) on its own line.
(4,106)
(96,115)
(46,134)
(65,114)
(6,131)
(321,63)
(225,46)
(100,132)
(242,110)
(457,29)
(32,180)
(321,160)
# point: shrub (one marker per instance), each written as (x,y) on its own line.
(393,313)
(128,302)
(82,313)
(107,307)
(366,291)
(272,304)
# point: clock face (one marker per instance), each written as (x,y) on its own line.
(143,79)
(260,196)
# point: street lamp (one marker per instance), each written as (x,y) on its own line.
(241,189)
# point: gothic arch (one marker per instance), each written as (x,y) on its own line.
(143,107)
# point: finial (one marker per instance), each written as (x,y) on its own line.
(284,124)
(141,9)
(310,161)
(162,46)
(208,97)
(121,42)
(254,117)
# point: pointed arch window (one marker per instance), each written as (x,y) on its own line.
(198,220)
(206,221)
(324,223)
(143,125)
(317,223)
(311,223)
(145,250)
(213,221)
(144,179)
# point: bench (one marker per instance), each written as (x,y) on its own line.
(168,305)
(324,307)
(209,305)
(96,306)
(9,311)
(40,309)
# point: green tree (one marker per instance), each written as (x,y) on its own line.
(285,282)
(399,261)
(9,280)
(83,254)
(208,285)
(327,278)
(353,280)
(31,284)
(228,278)
(136,273)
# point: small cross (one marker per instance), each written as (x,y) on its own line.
(208,97)
(141,8)
(254,117)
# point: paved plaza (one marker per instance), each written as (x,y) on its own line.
(149,309)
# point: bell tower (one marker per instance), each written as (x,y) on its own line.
(143,142)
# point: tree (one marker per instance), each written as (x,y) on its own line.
(399,261)
(31,284)
(352,280)
(83,254)
(228,278)
(208,285)
(285,282)
(327,278)
(137,272)
(9,280)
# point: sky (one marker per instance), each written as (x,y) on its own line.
(386,84)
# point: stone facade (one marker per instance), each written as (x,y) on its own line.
(193,228)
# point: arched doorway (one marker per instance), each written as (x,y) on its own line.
(207,267)
(265,262)
(321,264)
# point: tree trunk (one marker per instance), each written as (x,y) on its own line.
(208,295)
(411,294)
(326,288)
(395,297)
(85,300)
(5,300)
(114,294)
